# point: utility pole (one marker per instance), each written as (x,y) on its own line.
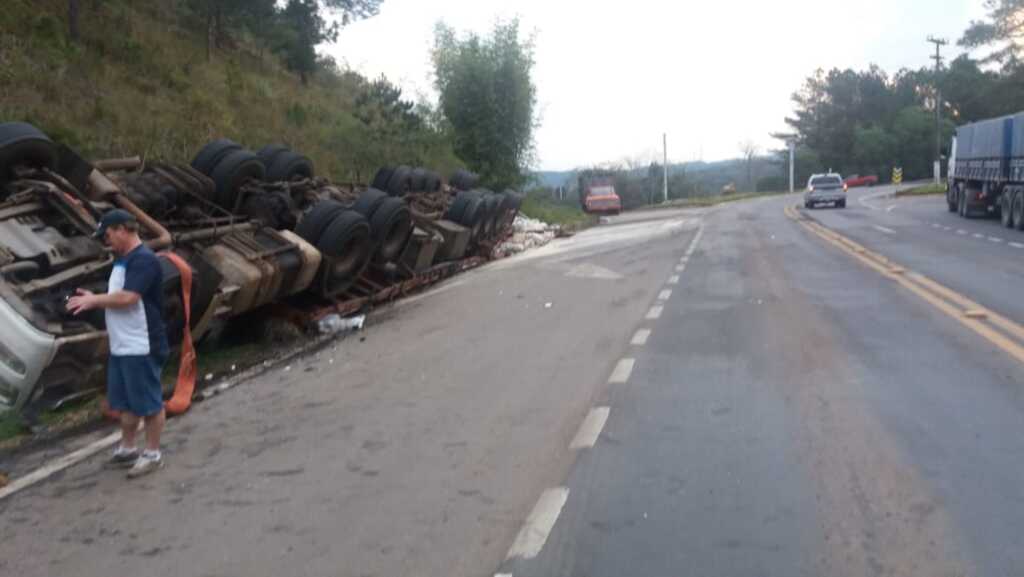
(937,170)
(792,152)
(664,159)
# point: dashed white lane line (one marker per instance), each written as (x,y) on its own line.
(622,371)
(680,267)
(674,279)
(961,231)
(1016,245)
(934,225)
(977,235)
(538,525)
(883,229)
(640,337)
(665,295)
(654,313)
(994,239)
(684,260)
(947,228)
(590,429)
(891,208)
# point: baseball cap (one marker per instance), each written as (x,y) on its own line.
(112,218)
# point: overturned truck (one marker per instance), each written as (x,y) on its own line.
(236,230)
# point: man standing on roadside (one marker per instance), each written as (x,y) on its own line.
(138,343)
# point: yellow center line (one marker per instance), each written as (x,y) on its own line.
(970,314)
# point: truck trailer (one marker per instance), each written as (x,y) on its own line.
(986,170)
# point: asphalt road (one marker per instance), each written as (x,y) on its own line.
(710,392)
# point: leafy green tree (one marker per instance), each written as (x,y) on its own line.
(1003,31)
(310,24)
(488,98)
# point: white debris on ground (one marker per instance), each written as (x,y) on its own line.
(527,233)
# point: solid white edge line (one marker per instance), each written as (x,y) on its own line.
(654,313)
(60,464)
(502,575)
(590,429)
(640,337)
(538,525)
(665,295)
(622,371)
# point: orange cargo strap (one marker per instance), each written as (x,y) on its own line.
(186,384)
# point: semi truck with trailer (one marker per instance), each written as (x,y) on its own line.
(985,175)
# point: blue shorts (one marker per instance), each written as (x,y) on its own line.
(133,384)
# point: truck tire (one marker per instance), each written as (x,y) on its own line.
(316,219)
(209,156)
(391,228)
(380,180)
(369,201)
(22,144)
(472,217)
(269,152)
(493,206)
(400,182)
(288,166)
(231,172)
(463,180)
(458,206)
(961,200)
(1018,211)
(346,244)
(951,197)
(432,182)
(1006,207)
(841,204)
(418,178)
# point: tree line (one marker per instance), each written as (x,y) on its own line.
(868,122)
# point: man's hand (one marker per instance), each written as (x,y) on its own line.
(82,301)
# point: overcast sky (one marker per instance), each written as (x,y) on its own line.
(612,77)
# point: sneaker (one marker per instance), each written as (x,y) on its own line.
(123,457)
(145,465)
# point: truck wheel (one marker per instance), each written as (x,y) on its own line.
(1006,208)
(962,204)
(346,244)
(391,229)
(1018,211)
(232,171)
(458,206)
(380,180)
(269,152)
(210,155)
(369,201)
(432,182)
(951,197)
(22,144)
(418,178)
(463,179)
(313,223)
(288,166)
(400,182)
(841,204)
(472,217)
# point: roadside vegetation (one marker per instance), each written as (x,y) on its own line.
(538,204)
(925,190)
